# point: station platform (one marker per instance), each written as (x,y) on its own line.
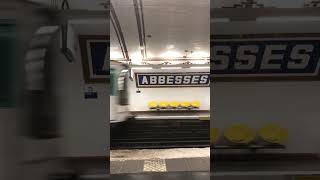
(171,114)
(160,160)
(153,176)
(160,165)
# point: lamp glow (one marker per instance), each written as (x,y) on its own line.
(170,54)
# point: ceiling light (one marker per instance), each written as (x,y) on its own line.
(114,48)
(171,46)
(200,67)
(171,68)
(170,54)
(141,68)
(149,55)
(199,61)
(115,55)
(199,54)
(136,58)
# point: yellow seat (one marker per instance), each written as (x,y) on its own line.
(204,118)
(239,134)
(272,133)
(153,104)
(214,135)
(163,104)
(185,104)
(195,104)
(174,104)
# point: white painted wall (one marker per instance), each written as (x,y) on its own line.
(139,101)
(293,105)
(84,122)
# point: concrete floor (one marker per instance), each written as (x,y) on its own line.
(164,176)
(160,160)
(144,154)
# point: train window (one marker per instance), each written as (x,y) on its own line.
(114,82)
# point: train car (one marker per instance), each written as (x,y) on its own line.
(119,105)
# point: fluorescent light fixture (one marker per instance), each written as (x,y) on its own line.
(199,54)
(136,58)
(142,68)
(150,55)
(171,46)
(171,68)
(115,55)
(200,67)
(170,54)
(287,19)
(199,61)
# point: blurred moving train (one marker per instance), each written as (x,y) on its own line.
(119,77)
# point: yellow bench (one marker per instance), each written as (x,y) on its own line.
(240,134)
(185,104)
(273,133)
(195,104)
(152,104)
(214,135)
(204,118)
(163,104)
(174,104)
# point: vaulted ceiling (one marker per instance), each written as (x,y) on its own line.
(160,29)
(151,29)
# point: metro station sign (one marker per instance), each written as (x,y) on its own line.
(189,79)
(95,58)
(265,56)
